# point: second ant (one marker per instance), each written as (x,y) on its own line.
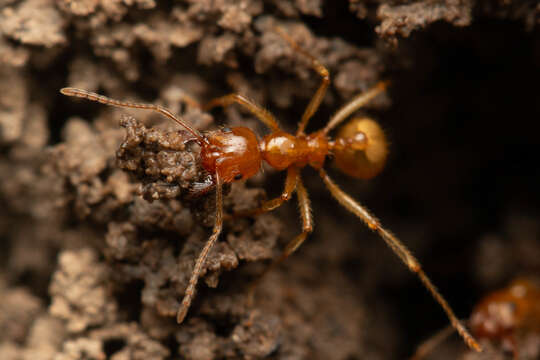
(502,317)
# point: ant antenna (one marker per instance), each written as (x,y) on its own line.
(69,91)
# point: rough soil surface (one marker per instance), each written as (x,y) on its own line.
(100,228)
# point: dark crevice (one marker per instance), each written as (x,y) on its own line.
(113,345)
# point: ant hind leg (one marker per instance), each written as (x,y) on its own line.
(401,251)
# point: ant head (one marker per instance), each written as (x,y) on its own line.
(360,148)
(233,153)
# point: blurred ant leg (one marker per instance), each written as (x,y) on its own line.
(321,91)
(356,103)
(307,228)
(191,101)
(261,113)
(269,205)
(509,343)
(68,91)
(190,290)
(428,345)
(401,251)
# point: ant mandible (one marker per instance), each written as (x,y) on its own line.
(360,150)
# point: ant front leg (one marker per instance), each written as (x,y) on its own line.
(261,113)
(321,91)
(190,290)
(269,205)
(294,244)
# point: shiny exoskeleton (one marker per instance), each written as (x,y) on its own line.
(504,313)
(501,317)
(360,150)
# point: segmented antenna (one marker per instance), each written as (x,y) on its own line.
(80,93)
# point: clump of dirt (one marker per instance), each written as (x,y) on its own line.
(101,226)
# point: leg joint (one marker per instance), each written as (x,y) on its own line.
(285,196)
(414,266)
(373,225)
(236,97)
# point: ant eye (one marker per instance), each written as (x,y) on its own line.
(237,176)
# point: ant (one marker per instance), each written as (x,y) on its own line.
(499,317)
(360,150)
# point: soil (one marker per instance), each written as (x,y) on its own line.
(100,229)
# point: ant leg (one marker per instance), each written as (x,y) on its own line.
(428,345)
(356,103)
(307,228)
(261,113)
(68,91)
(401,251)
(509,344)
(191,101)
(321,91)
(190,290)
(269,205)
(307,222)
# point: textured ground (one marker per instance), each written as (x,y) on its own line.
(96,249)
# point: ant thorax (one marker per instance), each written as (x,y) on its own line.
(282,150)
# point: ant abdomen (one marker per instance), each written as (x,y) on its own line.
(234,154)
(360,148)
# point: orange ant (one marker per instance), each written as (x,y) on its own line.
(498,317)
(360,150)
(503,313)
